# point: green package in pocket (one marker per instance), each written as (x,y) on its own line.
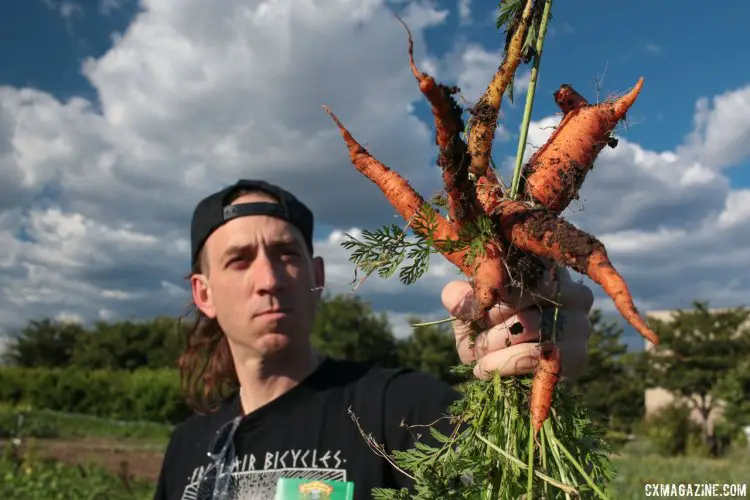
(310,489)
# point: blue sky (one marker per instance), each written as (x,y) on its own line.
(683,55)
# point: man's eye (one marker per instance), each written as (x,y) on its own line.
(289,251)
(235,261)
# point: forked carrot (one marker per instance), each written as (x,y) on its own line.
(554,174)
(407,202)
(538,232)
(488,269)
(544,234)
(530,226)
(567,99)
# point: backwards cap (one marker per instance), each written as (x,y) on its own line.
(215,210)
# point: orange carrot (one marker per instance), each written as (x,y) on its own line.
(486,111)
(568,99)
(487,269)
(523,231)
(555,173)
(546,375)
(488,273)
(536,231)
(407,202)
(544,234)
(452,152)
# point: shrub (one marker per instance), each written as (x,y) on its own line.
(671,432)
(36,428)
(29,477)
(148,395)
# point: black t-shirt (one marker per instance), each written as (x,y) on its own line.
(309,433)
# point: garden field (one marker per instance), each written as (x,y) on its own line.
(74,457)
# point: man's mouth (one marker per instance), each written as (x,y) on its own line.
(277,311)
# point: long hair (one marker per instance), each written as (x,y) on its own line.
(207,371)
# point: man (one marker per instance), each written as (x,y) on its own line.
(289,411)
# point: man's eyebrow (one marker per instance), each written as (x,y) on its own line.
(287,240)
(236,249)
(283,241)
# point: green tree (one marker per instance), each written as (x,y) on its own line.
(698,349)
(734,391)
(129,345)
(169,336)
(121,345)
(609,384)
(346,327)
(431,349)
(44,343)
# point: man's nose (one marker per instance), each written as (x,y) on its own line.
(269,275)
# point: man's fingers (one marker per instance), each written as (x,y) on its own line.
(454,292)
(500,344)
(519,328)
(522,359)
(515,360)
(572,295)
(463,334)
(569,295)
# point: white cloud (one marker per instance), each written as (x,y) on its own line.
(654,49)
(95,207)
(66,9)
(464,11)
(469,66)
(563,27)
(721,135)
(106,7)
(521,84)
(472,68)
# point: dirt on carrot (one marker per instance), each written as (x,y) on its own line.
(568,99)
(486,111)
(453,158)
(554,174)
(516,234)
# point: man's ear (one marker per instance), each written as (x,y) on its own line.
(202,296)
(320,272)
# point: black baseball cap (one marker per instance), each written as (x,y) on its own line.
(215,210)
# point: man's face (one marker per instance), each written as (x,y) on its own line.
(259,282)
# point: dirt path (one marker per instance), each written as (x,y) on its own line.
(141,460)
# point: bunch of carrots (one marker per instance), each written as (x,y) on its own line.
(525,228)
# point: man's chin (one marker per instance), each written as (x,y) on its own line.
(273,342)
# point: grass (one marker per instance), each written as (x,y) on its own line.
(33,478)
(51,424)
(636,471)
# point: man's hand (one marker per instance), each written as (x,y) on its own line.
(509,339)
